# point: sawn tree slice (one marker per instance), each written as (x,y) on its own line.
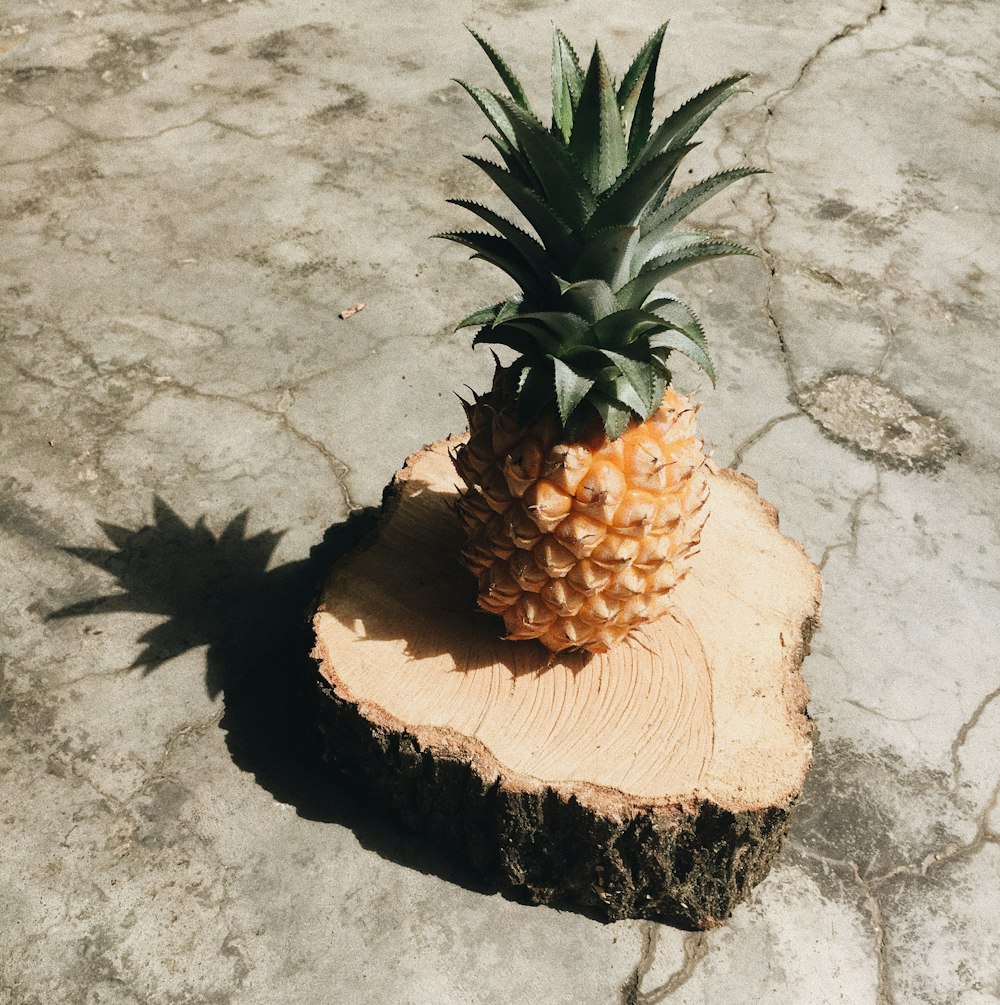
(653,781)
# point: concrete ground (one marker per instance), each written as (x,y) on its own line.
(192,190)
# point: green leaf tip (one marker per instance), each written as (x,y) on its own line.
(504,71)
(597,141)
(571,388)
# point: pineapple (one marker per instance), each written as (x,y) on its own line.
(585,485)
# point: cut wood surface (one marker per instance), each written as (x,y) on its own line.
(654,780)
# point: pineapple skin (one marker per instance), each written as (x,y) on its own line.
(578,543)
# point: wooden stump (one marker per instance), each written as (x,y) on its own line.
(653,781)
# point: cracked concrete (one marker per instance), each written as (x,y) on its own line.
(190,194)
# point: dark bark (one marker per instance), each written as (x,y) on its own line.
(687,867)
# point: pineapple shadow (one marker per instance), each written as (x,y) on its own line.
(217,591)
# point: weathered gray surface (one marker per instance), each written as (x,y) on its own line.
(191,192)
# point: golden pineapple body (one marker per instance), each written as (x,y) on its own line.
(577,543)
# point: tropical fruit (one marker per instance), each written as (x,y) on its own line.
(585,490)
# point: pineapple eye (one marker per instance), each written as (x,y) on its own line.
(567,465)
(645,458)
(547,505)
(526,460)
(604,486)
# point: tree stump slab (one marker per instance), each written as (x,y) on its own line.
(653,781)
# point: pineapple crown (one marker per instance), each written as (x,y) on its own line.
(594,188)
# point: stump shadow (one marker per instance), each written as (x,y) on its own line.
(216,590)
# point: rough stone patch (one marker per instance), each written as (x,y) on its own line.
(878,421)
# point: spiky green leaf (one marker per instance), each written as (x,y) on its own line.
(665,242)
(585,357)
(636,192)
(674,210)
(569,66)
(528,247)
(508,309)
(670,340)
(613,413)
(492,109)
(620,329)
(628,396)
(681,125)
(597,142)
(484,316)
(516,163)
(639,376)
(541,340)
(506,74)
(562,97)
(662,323)
(590,298)
(644,60)
(635,292)
(500,252)
(562,182)
(571,388)
(608,255)
(661,378)
(521,342)
(679,317)
(635,96)
(565,328)
(554,233)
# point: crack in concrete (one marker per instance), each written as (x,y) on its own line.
(188,729)
(695,949)
(74,393)
(854,521)
(630,989)
(337,467)
(72,765)
(97,675)
(40,158)
(157,384)
(965,729)
(990,836)
(883,989)
(82,132)
(790,377)
(825,276)
(954,851)
(884,994)
(890,339)
(882,715)
(242,131)
(949,852)
(869,886)
(97,138)
(853,28)
(758,435)
(156,771)
(771,106)
(854,517)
